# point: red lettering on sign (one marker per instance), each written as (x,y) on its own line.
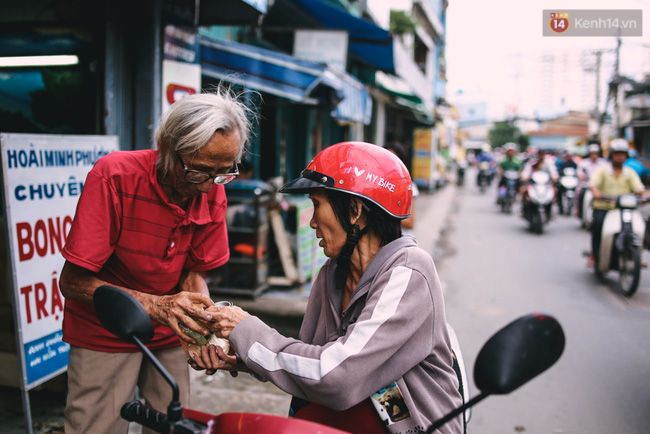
(67,222)
(42,237)
(24,234)
(42,294)
(41,298)
(56,297)
(26,290)
(55,234)
(175,91)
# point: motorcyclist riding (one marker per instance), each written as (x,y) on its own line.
(612,179)
(566,161)
(587,165)
(546,164)
(585,168)
(635,164)
(566,185)
(485,158)
(527,207)
(509,162)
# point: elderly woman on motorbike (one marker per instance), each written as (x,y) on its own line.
(374,353)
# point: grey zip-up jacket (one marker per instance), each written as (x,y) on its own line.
(393,331)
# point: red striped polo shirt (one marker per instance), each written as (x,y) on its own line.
(126,230)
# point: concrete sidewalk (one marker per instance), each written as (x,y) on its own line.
(284,308)
(431,215)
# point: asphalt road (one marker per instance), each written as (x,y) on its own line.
(495,270)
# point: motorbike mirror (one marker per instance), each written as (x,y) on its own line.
(511,357)
(121,314)
(517,353)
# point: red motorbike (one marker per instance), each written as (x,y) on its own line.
(514,355)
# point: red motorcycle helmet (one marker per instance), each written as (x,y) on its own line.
(361,169)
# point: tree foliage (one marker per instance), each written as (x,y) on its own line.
(504,132)
(401,22)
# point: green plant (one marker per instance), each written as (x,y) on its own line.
(401,23)
(502,133)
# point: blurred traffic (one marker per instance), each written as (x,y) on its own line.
(551,132)
(545,184)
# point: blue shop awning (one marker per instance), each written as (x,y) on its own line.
(369,43)
(280,74)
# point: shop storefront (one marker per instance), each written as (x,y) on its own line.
(303,105)
(70,70)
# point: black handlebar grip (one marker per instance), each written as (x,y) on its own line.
(137,412)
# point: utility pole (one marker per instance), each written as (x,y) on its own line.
(595,68)
(599,55)
(617,81)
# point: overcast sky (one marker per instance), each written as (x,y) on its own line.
(483,38)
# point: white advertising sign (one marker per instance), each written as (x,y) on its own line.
(325,46)
(43,178)
(179,79)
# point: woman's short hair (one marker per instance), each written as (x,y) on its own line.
(191,122)
(387,227)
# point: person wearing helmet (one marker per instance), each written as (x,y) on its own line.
(486,160)
(509,162)
(612,179)
(634,163)
(373,354)
(532,166)
(566,161)
(566,167)
(548,164)
(587,165)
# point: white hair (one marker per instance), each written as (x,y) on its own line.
(191,122)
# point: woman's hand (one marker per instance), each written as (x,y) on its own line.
(212,359)
(225,319)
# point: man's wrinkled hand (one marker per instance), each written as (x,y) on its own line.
(183,309)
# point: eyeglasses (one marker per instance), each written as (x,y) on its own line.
(198,177)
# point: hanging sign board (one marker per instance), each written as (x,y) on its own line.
(326,46)
(43,177)
(424,153)
(181,71)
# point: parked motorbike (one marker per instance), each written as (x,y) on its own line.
(537,201)
(483,176)
(621,243)
(566,190)
(508,192)
(516,354)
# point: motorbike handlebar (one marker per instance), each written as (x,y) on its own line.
(615,198)
(640,200)
(137,412)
